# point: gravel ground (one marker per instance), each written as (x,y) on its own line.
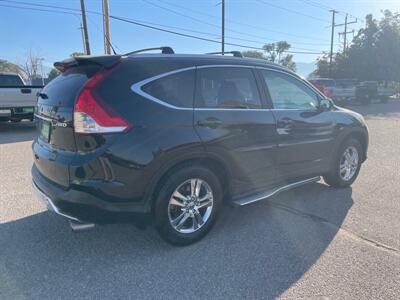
(311,242)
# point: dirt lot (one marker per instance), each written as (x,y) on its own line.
(312,242)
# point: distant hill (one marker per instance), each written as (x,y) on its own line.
(304,69)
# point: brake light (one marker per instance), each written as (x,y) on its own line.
(92,114)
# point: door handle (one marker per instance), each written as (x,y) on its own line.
(210,122)
(285,123)
(284,126)
(26,91)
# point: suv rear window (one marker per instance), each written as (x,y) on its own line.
(176,89)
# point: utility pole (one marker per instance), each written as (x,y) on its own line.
(106,28)
(223,28)
(85,31)
(345,32)
(345,35)
(332,34)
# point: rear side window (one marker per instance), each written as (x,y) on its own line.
(175,89)
(227,87)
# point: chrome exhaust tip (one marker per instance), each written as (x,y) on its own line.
(79,226)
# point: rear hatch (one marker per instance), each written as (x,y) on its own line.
(55,146)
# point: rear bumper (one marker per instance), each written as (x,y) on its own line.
(84,207)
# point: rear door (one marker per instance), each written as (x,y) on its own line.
(234,123)
(55,146)
(306,133)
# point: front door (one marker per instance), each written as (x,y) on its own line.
(232,121)
(305,131)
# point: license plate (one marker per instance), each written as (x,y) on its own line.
(27,110)
(44,131)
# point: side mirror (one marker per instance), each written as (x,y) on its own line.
(325,104)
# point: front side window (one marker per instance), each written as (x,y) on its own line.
(175,89)
(288,92)
(226,87)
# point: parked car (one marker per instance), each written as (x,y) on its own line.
(17,100)
(341,91)
(346,91)
(366,91)
(164,139)
(324,85)
(384,93)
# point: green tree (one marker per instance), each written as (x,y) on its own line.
(53,73)
(274,52)
(373,54)
(253,54)
(73,54)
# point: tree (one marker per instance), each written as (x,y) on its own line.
(6,66)
(53,74)
(32,66)
(73,54)
(373,53)
(253,54)
(274,52)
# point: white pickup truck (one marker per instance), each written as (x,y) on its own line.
(345,91)
(17,100)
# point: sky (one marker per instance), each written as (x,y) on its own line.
(54,34)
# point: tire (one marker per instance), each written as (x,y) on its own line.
(167,212)
(336,177)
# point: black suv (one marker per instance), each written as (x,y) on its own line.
(166,138)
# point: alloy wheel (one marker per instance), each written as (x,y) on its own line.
(190,205)
(349,163)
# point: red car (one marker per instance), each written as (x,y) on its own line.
(325,85)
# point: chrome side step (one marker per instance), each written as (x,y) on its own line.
(267,194)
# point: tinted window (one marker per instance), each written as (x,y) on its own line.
(288,92)
(63,89)
(227,87)
(10,80)
(176,89)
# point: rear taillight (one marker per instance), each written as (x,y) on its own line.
(92,114)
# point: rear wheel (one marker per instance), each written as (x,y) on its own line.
(187,205)
(346,165)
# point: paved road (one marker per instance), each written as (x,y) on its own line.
(312,242)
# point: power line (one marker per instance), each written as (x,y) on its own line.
(243,24)
(238,32)
(200,38)
(292,11)
(150,27)
(231,30)
(327,8)
(40,9)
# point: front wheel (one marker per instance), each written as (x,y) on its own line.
(346,165)
(187,205)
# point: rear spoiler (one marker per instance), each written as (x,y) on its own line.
(106,61)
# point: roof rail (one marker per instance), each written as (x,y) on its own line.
(164,50)
(234,53)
